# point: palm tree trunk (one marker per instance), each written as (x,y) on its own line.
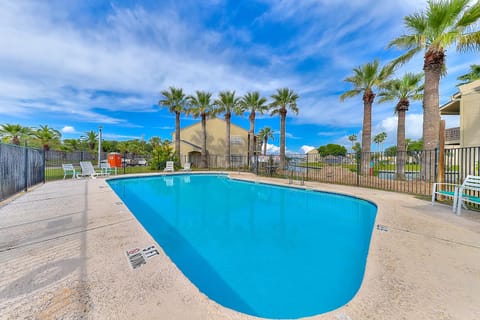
(177,135)
(283,116)
(203,162)
(265,142)
(368,97)
(401,150)
(251,133)
(228,116)
(433,64)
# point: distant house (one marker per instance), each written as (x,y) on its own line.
(191,143)
(466,104)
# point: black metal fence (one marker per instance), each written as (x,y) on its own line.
(410,172)
(131,163)
(20,168)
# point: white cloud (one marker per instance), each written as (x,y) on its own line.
(68,129)
(272,149)
(306,149)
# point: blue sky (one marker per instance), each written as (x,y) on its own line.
(79,64)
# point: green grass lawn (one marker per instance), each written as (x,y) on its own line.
(57,173)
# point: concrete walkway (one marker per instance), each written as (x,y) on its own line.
(62,256)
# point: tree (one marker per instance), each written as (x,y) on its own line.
(253,102)
(409,87)
(332,149)
(155,142)
(162,153)
(379,139)
(202,106)
(91,139)
(283,100)
(473,75)
(352,138)
(71,144)
(175,100)
(442,24)
(15,132)
(46,136)
(264,134)
(226,104)
(364,80)
(391,152)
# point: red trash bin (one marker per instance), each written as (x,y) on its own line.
(115,160)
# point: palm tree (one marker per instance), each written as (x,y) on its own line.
(15,132)
(175,100)
(202,106)
(226,104)
(379,139)
(47,135)
(352,138)
(442,24)
(407,88)
(283,100)
(364,80)
(91,138)
(473,75)
(256,104)
(264,134)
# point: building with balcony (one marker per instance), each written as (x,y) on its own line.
(465,104)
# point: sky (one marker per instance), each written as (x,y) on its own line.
(79,64)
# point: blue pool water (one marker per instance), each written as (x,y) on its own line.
(267,251)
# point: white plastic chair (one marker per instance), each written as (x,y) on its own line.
(68,168)
(88,170)
(169,167)
(186,166)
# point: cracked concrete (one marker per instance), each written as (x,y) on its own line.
(62,256)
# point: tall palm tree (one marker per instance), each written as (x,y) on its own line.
(283,100)
(433,30)
(202,106)
(175,100)
(253,102)
(15,132)
(403,90)
(364,80)
(46,136)
(264,134)
(227,104)
(473,75)
(379,139)
(90,138)
(352,138)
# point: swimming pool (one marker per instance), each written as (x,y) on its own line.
(263,250)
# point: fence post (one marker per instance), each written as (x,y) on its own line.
(435,165)
(358,167)
(44,163)
(26,167)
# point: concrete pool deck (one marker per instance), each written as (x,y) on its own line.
(63,244)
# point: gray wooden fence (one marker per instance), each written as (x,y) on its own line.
(20,168)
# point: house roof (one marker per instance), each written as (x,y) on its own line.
(209,120)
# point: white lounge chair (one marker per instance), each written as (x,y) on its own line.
(68,168)
(468,192)
(106,169)
(186,166)
(88,170)
(169,167)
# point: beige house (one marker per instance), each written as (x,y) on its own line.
(466,104)
(191,143)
